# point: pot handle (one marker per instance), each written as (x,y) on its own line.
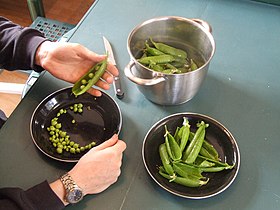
(139,81)
(204,24)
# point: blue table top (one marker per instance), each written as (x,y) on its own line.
(241,91)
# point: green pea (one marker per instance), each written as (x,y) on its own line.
(84,81)
(94,73)
(58,125)
(72,150)
(54,122)
(90,75)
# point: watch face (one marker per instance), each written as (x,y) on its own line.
(75,195)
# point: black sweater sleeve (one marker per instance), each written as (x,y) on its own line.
(18,46)
(39,197)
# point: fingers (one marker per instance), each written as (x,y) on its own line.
(113,69)
(112,141)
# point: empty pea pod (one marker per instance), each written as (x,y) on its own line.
(90,78)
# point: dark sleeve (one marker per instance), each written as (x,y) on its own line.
(39,197)
(18,46)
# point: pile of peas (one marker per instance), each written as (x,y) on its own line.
(60,139)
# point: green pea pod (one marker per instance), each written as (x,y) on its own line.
(156,67)
(194,147)
(169,49)
(188,182)
(185,134)
(204,152)
(186,170)
(206,164)
(91,77)
(193,65)
(152,51)
(217,163)
(215,169)
(210,150)
(165,159)
(172,147)
(158,59)
(176,135)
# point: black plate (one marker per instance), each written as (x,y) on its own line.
(100,119)
(218,135)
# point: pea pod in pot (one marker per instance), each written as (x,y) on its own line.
(179,32)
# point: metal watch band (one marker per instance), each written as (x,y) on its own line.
(73,192)
(67,181)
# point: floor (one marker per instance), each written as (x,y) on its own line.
(70,11)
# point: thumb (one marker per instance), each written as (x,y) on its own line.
(112,141)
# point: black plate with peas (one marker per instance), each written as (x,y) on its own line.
(64,126)
(216,134)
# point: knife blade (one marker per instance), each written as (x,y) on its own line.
(117,83)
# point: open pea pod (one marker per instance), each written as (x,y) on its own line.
(90,78)
(172,146)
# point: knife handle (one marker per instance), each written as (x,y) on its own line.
(118,88)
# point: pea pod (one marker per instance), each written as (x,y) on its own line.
(90,78)
(194,147)
(152,51)
(193,65)
(186,170)
(185,134)
(165,159)
(204,152)
(212,152)
(217,163)
(215,169)
(169,49)
(158,59)
(172,147)
(188,182)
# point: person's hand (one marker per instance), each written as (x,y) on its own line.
(70,61)
(100,167)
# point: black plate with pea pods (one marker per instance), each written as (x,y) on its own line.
(100,119)
(216,134)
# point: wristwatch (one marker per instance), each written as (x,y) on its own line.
(74,193)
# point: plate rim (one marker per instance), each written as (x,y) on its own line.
(47,99)
(224,130)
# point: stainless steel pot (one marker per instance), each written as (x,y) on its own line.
(191,35)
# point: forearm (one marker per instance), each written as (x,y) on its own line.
(18,46)
(40,197)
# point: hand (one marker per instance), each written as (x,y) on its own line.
(100,167)
(70,61)
(96,170)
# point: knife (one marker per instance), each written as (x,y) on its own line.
(117,83)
